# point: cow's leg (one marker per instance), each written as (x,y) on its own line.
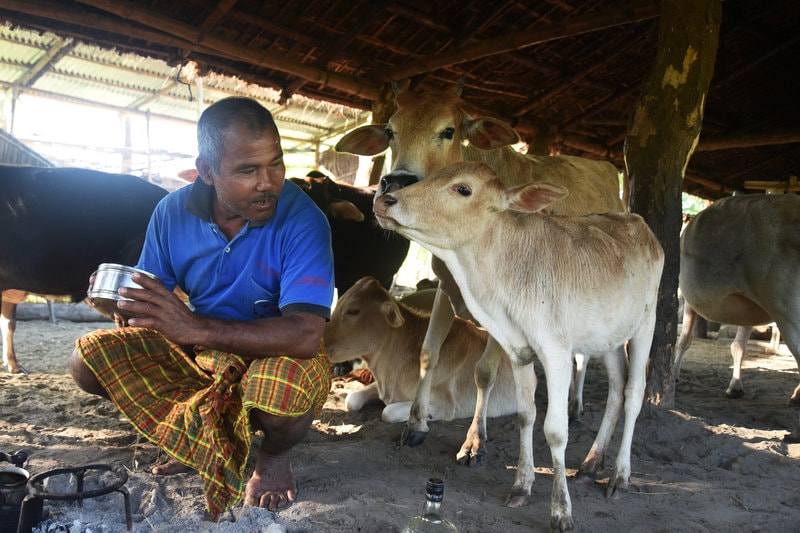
(8,324)
(615,363)
(738,349)
(525,388)
(685,338)
(576,390)
(775,339)
(791,337)
(558,371)
(357,399)
(473,451)
(638,356)
(441,319)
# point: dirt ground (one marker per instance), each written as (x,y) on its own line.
(710,464)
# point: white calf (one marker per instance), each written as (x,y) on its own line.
(430,132)
(370,324)
(547,286)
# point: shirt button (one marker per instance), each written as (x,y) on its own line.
(228,250)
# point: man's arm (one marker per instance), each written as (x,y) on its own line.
(296,335)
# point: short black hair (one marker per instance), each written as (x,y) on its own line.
(218,117)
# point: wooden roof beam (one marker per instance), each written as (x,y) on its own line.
(219,12)
(747,140)
(52,56)
(126,10)
(519,40)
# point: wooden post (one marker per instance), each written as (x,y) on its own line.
(663,133)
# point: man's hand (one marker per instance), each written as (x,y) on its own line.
(160,309)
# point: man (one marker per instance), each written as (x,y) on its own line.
(253,254)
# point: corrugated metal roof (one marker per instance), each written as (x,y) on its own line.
(47,65)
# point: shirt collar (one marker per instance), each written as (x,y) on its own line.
(200,203)
(200,200)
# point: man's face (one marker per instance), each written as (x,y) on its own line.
(250,178)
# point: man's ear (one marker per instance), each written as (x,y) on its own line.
(204,170)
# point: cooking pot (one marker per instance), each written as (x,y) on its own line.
(108,279)
(13,488)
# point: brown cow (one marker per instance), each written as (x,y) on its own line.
(370,324)
(545,286)
(429,133)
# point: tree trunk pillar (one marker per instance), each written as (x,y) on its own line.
(662,135)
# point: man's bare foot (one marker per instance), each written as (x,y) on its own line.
(272,485)
(169,468)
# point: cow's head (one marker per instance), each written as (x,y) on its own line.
(425,134)
(326,194)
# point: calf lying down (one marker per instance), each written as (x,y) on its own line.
(369,323)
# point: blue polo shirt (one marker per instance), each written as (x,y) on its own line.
(282,266)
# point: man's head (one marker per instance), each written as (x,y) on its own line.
(219,117)
(240,156)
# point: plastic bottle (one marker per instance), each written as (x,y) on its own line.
(432,519)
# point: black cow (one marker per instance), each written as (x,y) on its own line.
(360,246)
(58,225)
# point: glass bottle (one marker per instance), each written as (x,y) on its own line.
(431,520)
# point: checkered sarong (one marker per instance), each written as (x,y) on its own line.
(195,406)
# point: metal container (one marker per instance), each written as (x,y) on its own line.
(13,488)
(108,279)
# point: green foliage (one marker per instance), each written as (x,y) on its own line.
(693,204)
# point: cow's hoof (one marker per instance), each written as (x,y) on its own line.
(412,439)
(561,523)
(471,459)
(515,500)
(734,394)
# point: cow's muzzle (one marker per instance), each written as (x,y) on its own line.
(395,181)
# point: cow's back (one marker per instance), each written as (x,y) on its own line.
(593,185)
(739,259)
(60,223)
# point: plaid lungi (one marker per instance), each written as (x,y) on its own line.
(195,405)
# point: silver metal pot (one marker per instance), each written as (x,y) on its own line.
(108,279)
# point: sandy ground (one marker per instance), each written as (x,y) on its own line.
(711,464)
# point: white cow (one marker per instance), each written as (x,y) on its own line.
(430,133)
(544,286)
(739,263)
(370,324)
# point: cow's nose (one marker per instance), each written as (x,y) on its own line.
(394,181)
(382,203)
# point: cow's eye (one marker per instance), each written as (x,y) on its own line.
(352,312)
(463,190)
(389,134)
(447,133)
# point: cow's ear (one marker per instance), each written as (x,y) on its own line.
(344,210)
(392,313)
(366,140)
(531,197)
(488,133)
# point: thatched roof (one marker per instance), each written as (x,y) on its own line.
(564,72)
